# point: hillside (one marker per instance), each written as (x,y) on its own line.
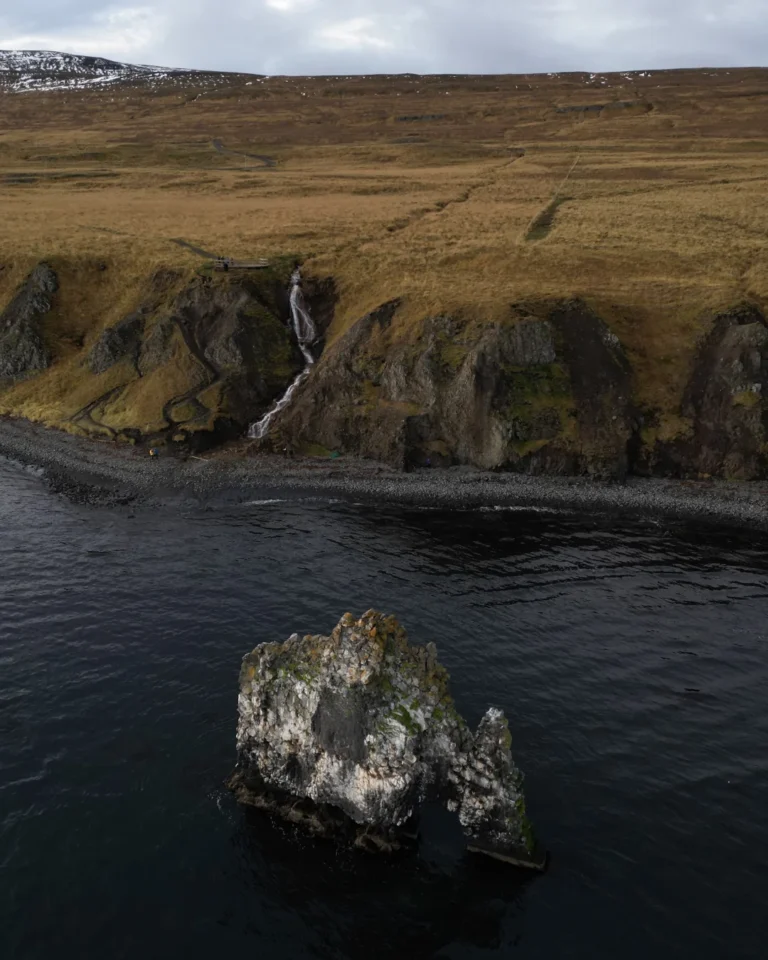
(36,70)
(560,273)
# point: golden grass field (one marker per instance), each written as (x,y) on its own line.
(497,191)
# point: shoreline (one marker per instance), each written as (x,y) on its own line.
(103,471)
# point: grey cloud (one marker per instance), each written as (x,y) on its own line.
(422,36)
(44,16)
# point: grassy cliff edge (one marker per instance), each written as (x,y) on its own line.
(511,272)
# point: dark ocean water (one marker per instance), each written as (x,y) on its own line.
(630,657)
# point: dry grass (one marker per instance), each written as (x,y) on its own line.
(141,403)
(664,220)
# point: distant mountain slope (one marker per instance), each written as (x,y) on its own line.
(26,70)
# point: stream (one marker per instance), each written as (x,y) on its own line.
(305,332)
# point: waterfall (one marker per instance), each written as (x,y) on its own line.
(306,334)
(301,319)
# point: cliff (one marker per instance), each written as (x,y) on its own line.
(195,358)
(22,349)
(354,731)
(547,388)
(555,274)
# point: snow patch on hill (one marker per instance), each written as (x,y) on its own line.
(27,70)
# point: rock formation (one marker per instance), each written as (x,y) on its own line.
(117,342)
(722,419)
(725,398)
(355,730)
(192,362)
(22,347)
(548,391)
(191,358)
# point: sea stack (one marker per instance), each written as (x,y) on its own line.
(349,734)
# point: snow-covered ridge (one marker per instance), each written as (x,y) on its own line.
(26,70)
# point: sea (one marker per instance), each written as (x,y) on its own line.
(630,656)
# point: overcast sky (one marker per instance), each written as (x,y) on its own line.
(381,36)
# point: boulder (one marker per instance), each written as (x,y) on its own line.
(352,732)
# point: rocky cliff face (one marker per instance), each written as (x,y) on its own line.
(22,347)
(362,723)
(725,403)
(231,338)
(116,343)
(548,391)
(196,359)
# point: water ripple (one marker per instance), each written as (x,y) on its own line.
(630,659)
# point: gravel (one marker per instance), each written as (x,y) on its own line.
(97,471)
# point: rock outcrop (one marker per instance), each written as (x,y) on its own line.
(22,347)
(116,343)
(195,357)
(356,730)
(723,414)
(548,391)
(726,398)
(156,347)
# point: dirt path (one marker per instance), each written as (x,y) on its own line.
(198,250)
(466,194)
(85,414)
(213,376)
(219,147)
(85,417)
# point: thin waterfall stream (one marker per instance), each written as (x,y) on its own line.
(306,333)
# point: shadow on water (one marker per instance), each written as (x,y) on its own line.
(362,907)
(508,532)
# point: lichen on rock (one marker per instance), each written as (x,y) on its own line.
(356,730)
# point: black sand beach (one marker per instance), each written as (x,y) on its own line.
(90,469)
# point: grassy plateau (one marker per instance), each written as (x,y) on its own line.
(642,193)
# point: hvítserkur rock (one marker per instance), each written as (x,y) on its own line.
(352,732)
